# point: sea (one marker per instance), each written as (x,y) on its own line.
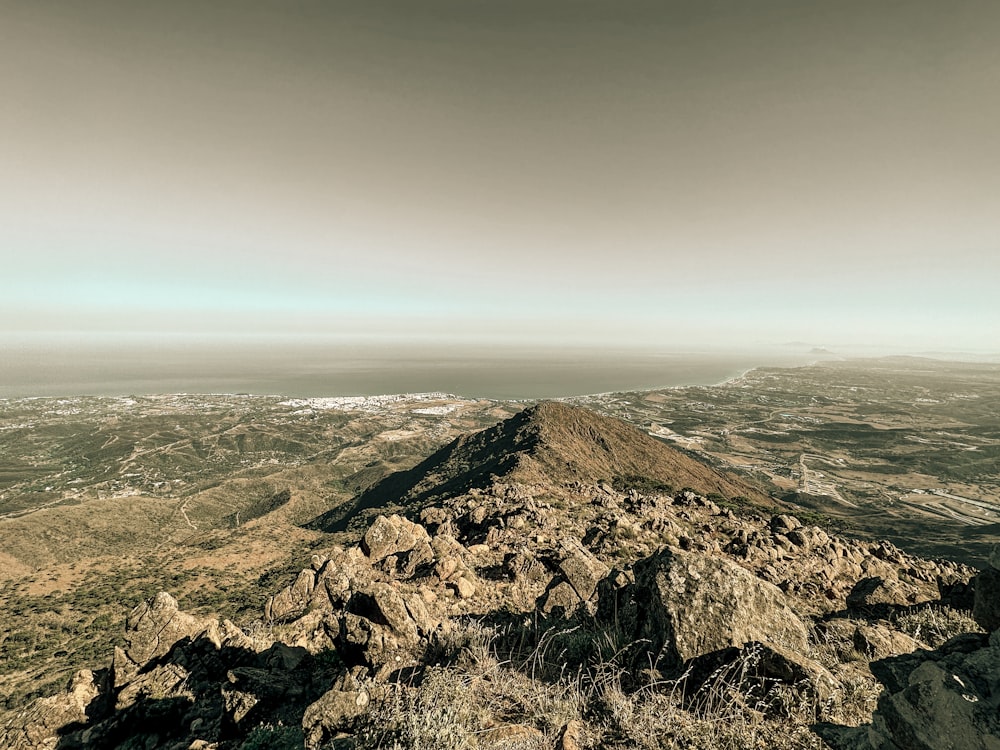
(311,366)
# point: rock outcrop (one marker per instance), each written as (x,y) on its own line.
(945,698)
(686,605)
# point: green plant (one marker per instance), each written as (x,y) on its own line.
(273,737)
(645,485)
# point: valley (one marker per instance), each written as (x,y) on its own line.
(902,448)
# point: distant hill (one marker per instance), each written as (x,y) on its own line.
(549,443)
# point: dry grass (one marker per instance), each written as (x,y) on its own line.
(936,624)
(519,687)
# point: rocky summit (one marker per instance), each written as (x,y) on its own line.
(561,580)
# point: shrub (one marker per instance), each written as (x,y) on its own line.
(936,624)
(274,737)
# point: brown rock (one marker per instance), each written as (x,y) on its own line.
(758,668)
(524,567)
(583,571)
(689,604)
(292,600)
(393,535)
(39,726)
(879,642)
(465,588)
(337,710)
(951,703)
(155,626)
(572,736)
(782,524)
(878,595)
(560,599)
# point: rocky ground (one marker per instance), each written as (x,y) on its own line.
(561,581)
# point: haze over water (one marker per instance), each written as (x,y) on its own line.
(309,366)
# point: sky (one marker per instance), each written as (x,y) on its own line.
(659,174)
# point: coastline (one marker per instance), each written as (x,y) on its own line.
(500,376)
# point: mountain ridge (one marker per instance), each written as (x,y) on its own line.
(550,443)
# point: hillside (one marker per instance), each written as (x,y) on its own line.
(525,597)
(549,444)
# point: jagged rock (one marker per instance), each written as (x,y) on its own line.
(337,710)
(688,605)
(941,699)
(886,550)
(583,572)
(781,524)
(986,607)
(878,595)
(524,567)
(166,680)
(395,535)
(232,636)
(384,605)
(464,588)
(806,537)
(435,517)
(123,669)
(446,568)
(880,642)
(254,692)
(42,724)
(384,627)
(293,599)
(559,599)
(155,626)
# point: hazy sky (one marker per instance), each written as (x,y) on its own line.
(666,173)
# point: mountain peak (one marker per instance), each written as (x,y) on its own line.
(550,442)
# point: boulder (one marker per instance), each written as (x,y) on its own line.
(947,699)
(155,626)
(755,670)
(879,596)
(524,567)
(782,524)
(395,535)
(253,693)
(560,599)
(687,605)
(880,642)
(384,626)
(337,710)
(464,588)
(292,600)
(950,703)
(583,572)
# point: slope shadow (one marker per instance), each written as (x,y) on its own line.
(469,461)
(894,674)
